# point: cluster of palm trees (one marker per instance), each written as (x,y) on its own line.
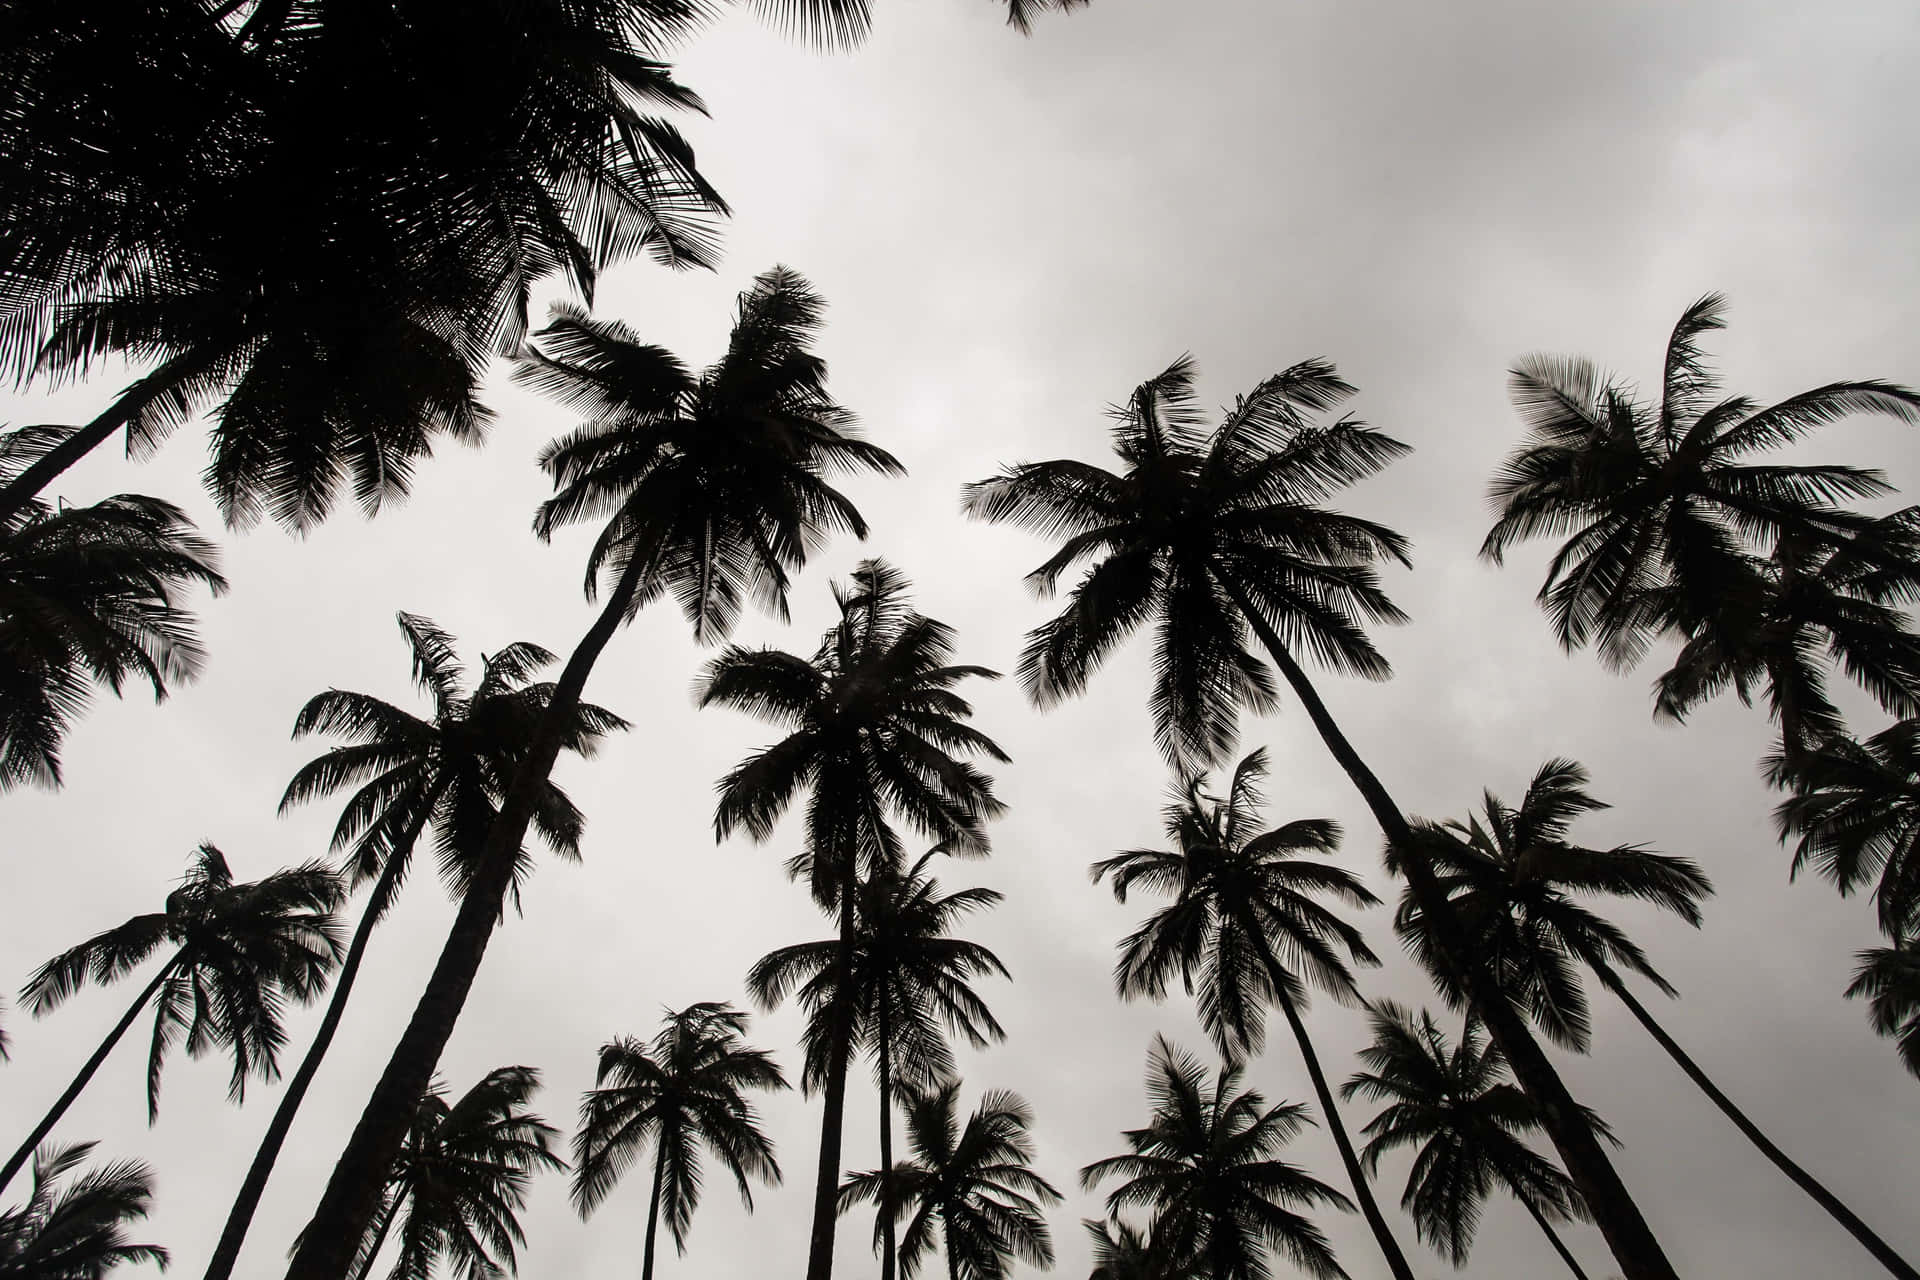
(426,191)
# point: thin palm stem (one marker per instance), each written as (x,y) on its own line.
(92,1064)
(653,1208)
(826,1191)
(1882,1252)
(1614,1211)
(352,1193)
(1553,1238)
(887,1246)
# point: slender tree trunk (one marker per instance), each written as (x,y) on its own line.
(353,1192)
(1614,1212)
(240,1217)
(1553,1238)
(887,1245)
(41,1130)
(826,1187)
(1369,1209)
(379,1238)
(653,1208)
(1882,1252)
(953,1259)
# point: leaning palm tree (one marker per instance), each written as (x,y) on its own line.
(460,1180)
(1243,899)
(714,488)
(909,984)
(1469,1126)
(975,1184)
(1206,1167)
(89,596)
(1855,808)
(446,772)
(79,1231)
(1211,535)
(1122,1251)
(239,951)
(1889,978)
(875,729)
(1514,880)
(684,1091)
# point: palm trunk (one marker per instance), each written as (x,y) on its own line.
(953,1259)
(653,1209)
(1873,1244)
(1614,1212)
(826,1187)
(41,1130)
(240,1217)
(379,1239)
(1369,1209)
(353,1192)
(1553,1238)
(886,1141)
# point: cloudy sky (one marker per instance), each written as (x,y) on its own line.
(1012,233)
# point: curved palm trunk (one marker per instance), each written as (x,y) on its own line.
(353,1192)
(826,1187)
(59,1108)
(1873,1244)
(653,1210)
(885,1038)
(1553,1238)
(1362,1192)
(240,1217)
(1614,1212)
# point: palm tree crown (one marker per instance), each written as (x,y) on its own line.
(1122,1251)
(1889,979)
(1855,808)
(79,1231)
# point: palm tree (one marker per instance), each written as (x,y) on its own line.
(77,1232)
(1855,807)
(89,595)
(239,951)
(1243,898)
(1469,1125)
(1659,502)
(1889,977)
(905,980)
(447,772)
(1205,1167)
(1123,1252)
(686,1090)
(461,1179)
(1514,879)
(874,726)
(714,488)
(1211,535)
(975,1183)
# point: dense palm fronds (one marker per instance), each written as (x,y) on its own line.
(1205,1168)
(684,1091)
(1855,808)
(975,1183)
(1122,1251)
(1889,979)
(77,1231)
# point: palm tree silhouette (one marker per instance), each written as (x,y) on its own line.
(874,726)
(1513,879)
(684,1091)
(1855,807)
(976,1183)
(1469,1125)
(714,488)
(447,772)
(1213,534)
(89,595)
(1889,978)
(1243,898)
(905,980)
(1205,1167)
(79,1231)
(239,950)
(461,1179)
(1123,1252)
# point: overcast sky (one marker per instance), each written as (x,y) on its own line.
(1012,234)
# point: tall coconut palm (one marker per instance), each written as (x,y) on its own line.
(684,1091)
(1514,880)
(79,1231)
(457,1187)
(1855,808)
(714,488)
(448,772)
(1470,1128)
(975,1184)
(1211,535)
(89,595)
(1205,1167)
(1661,503)
(1122,1251)
(1247,929)
(909,985)
(874,729)
(1889,978)
(239,952)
